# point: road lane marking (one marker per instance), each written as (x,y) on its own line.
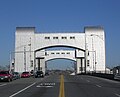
(61,91)
(22,90)
(98,86)
(117,94)
(46,85)
(3,85)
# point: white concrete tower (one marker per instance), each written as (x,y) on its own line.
(89,48)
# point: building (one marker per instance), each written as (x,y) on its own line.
(116,70)
(31,48)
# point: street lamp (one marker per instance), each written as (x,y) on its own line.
(86,55)
(94,51)
(94,61)
(97,36)
(24,52)
(31,62)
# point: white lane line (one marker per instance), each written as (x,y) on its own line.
(44,86)
(117,94)
(22,90)
(88,81)
(98,86)
(3,85)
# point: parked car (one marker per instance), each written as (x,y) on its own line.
(25,75)
(39,74)
(46,73)
(6,76)
(16,75)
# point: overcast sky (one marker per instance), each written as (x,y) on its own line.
(57,16)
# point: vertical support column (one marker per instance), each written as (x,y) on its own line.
(34,61)
(39,64)
(42,65)
(45,66)
(78,63)
(83,64)
(86,60)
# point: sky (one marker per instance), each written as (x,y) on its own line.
(60,16)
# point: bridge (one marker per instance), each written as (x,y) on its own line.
(59,54)
(31,49)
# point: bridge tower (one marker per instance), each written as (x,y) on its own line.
(89,48)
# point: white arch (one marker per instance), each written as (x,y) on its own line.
(30,42)
(76,40)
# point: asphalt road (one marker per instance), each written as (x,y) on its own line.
(74,86)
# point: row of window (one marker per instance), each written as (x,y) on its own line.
(60,53)
(63,37)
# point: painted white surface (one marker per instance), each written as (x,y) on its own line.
(27,40)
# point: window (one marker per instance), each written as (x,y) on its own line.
(55,37)
(72,37)
(64,37)
(52,53)
(88,53)
(47,37)
(57,53)
(62,53)
(88,62)
(68,52)
(31,62)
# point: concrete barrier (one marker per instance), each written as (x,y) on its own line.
(103,75)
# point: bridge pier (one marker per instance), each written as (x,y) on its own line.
(40,64)
(80,65)
(83,65)
(78,62)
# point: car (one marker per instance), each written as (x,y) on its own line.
(32,72)
(16,75)
(46,73)
(39,74)
(25,75)
(6,76)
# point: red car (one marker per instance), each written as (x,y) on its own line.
(6,76)
(25,75)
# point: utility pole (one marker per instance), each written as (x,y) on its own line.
(93,55)
(24,58)
(86,55)
(30,53)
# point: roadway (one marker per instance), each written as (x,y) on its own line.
(69,86)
